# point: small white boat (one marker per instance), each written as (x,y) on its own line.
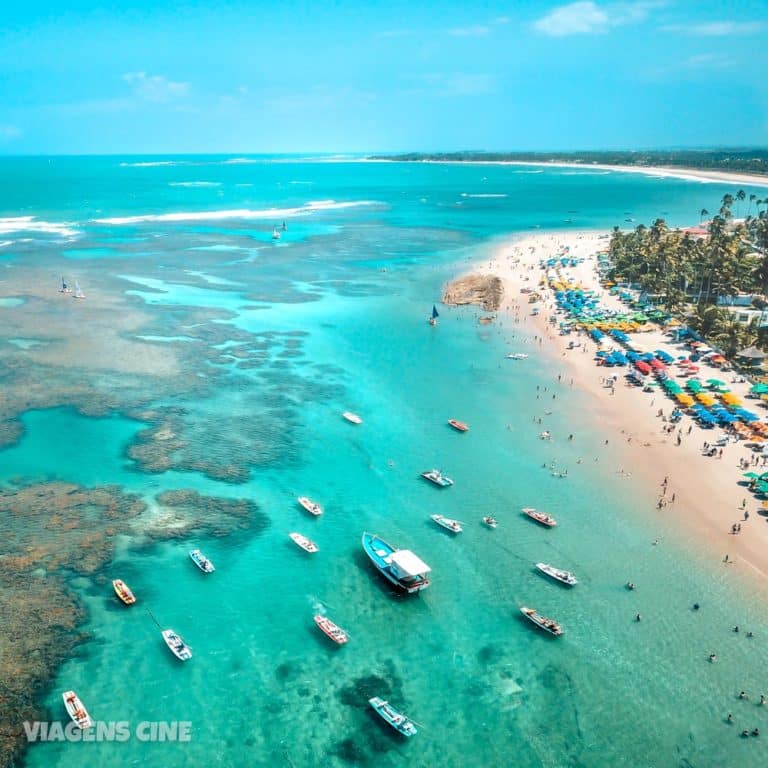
(306,544)
(517,356)
(311,506)
(331,630)
(352,417)
(564,577)
(78,294)
(548,625)
(396,719)
(177,646)
(545,435)
(540,517)
(491,522)
(459,426)
(76,710)
(454,526)
(437,477)
(201,561)
(275,234)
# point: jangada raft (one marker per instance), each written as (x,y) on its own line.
(540,517)
(311,506)
(176,645)
(76,710)
(548,625)
(331,630)
(396,719)
(400,566)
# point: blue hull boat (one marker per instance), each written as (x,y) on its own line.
(399,566)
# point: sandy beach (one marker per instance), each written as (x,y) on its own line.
(707,495)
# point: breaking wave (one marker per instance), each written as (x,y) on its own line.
(236,213)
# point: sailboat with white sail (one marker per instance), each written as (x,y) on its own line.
(78,294)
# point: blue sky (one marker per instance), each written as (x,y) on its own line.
(337,76)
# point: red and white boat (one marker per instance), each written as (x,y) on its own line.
(76,710)
(540,517)
(335,632)
(122,590)
(311,506)
(306,544)
(460,426)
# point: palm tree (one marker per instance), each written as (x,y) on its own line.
(751,199)
(740,195)
(704,212)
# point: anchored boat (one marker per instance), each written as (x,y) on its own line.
(400,566)
(437,477)
(334,631)
(396,719)
(311,506)
(352,417)
(548,625)
(76,710)
(564,577)
(454,526)
(459,426)
(123,592)
(201,561)
(491,522)
(540,517)
(306,544)
(177,646)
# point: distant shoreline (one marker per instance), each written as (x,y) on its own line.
(689,174)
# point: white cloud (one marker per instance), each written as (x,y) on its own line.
(708,61)
(455,84)
(588,18)
(477,30)
(717,28)
(155,88)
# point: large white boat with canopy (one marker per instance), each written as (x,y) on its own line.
(400,566)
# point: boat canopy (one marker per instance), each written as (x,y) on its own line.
(407,565)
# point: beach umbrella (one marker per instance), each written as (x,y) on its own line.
(759,389)
(751,475)
(716,383)
(752,353)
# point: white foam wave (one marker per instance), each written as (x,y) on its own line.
(301,182)
(486,194)
(30,224)
(3,243)
(541,170)
(194,183)
(154,163)
(237,213)
(238,161)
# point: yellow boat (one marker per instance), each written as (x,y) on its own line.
(123,592)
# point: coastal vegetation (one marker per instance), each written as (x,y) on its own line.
(702,273)
(744,160)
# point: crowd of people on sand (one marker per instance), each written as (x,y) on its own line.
(669,426)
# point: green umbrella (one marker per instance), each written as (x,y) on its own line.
(759,389)
(762,487)
(716,383)
(751,475)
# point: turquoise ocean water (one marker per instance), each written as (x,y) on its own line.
(335,315)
